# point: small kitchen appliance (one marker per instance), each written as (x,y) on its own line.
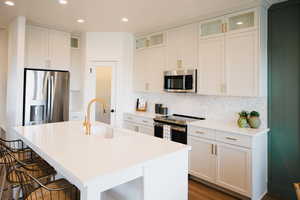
(180,81)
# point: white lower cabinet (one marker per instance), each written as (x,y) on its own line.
(130,126)
(138,124)
(232,161)
(147,130)
(233,168)
(202,159)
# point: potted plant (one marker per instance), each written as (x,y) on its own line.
(254,120)
(243,121)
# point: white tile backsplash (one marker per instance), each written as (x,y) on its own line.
(212,107)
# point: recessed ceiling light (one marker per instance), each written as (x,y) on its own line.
(124,19)
(9,3)
(239,23)
(63,2)
(80,20)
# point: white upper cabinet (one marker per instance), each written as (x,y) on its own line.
(59,49)
(140,70)
(182,47)
(148,70)
(241,64)
(37,46)
(230,53)
(211,66)
(47,49)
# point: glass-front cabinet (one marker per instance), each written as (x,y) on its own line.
(154,40)
(212,27)
(141,43)
(241,21)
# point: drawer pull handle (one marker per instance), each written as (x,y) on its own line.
(145,121)
(230,138)
(200,132)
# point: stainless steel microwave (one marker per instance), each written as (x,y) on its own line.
(181,81)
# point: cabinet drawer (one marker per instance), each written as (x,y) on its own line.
(235,139)
(201,132)
(145,121)
(131,118)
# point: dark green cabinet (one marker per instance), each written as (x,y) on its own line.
(284,98)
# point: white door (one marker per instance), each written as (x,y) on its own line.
(146,130)
(202,160)
(36,47)
(59,49)
(211,66)
(241,66)
(233,168)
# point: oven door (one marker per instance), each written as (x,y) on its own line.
(179,134)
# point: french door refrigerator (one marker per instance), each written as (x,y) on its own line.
(46,96)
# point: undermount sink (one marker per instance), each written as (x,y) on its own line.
(104,130)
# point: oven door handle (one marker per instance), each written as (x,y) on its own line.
(179,129)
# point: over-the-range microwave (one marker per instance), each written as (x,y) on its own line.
(180,81)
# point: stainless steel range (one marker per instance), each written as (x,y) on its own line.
(173,127)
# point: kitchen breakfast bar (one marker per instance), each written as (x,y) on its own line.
(112,163)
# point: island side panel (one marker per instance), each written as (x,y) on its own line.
(167,178)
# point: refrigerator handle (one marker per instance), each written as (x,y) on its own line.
(48,100)
(51,97)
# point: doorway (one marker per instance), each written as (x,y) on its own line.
(104,77)
(103,91)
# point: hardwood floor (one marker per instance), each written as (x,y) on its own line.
(199,191)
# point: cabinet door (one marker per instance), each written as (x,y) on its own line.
(211,66)
(202,161)
(182,47)
(140,71)
(36,47)
(241,63)
(233,168)
(59,49)
(141,43)
(146,130)
(154,69)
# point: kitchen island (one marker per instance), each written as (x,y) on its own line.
(112,163)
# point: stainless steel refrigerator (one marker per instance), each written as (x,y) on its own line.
(46,96)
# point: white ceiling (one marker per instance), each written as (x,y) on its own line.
(105,15)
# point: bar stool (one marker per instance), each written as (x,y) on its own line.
(16,156)
(297,188)
(33,189)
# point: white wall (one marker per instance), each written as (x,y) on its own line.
(110,46)
(3,74)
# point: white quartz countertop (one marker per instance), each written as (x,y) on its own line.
(228,127)
(83,157)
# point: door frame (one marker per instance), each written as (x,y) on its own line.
(92,88)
